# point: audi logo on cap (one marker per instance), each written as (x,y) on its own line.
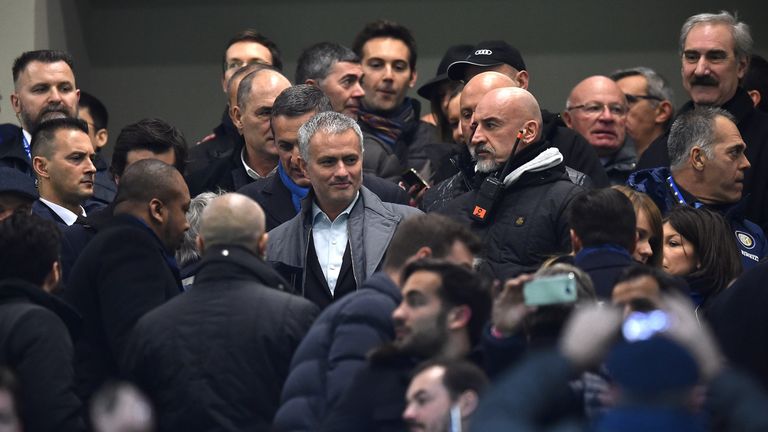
(483,52)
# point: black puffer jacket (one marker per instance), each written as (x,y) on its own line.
(35,344)
(215,357)
(528,223)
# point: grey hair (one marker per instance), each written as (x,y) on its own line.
(188,252)
(695,128)
(657,85)
(316,61)
(739,31)
(329,122)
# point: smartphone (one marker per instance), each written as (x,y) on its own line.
(549,290)
(641,326)
(411,177)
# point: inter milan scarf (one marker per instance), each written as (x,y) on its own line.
(388,129)
(297,192)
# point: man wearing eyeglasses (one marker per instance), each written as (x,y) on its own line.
(649,98)
(597,110)
(244,48)
(257,157)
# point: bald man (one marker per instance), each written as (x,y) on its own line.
(597,109)
(216,357)
(581,161)
(257,157)
(519,207)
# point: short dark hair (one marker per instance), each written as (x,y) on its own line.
(150,134)
(29,245)
(459,376)
(95,108)
(244,88)
(386,29)
(756,78)
(713,243)
(43,137)
(316,61)
(42,56)
(459,286)
(603,216)
(300,99)
(250,35)
(431,230)
(147,179)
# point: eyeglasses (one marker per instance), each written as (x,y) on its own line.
(237,64)
(633,99)
(594,109)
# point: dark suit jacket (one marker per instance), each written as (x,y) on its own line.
(275,198)
(121,274)
(226,173)
(40,209)
(12,152)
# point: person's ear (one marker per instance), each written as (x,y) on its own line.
(102,136)
(16,104)
(312,82)
(157,211)
(459,317)
(755,96)
(414,76)
(303,166)
(40,165)
(576,244)
(530,130)
(663,112)
(237,117)
(468,402)
(200,244)
(263,242)
(566,116)
(51,281)
(522,79)
(698,158)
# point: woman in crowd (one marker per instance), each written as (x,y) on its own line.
(699,246)
(648,249)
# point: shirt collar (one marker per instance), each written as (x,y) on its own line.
(66,215)
(250,171)
(317,211)
(27,135)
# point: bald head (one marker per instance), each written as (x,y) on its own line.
(232,220)
(147,179)
(475,89)
(597,109)
(499,115)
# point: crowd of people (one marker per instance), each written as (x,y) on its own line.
(333,257)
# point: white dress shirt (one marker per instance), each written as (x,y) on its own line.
(66,215)
(330,239)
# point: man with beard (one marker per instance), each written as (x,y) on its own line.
(518,200)
(443,311)
(44,89)
(715,53)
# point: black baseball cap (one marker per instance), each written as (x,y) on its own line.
(16,182)
(452,55)
(488,53)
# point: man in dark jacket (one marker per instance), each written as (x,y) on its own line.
(603,236)
(708,170)
(499,56)
(336,345)
(575,150)
(339,237)
(36,327)
(215,358)
(442,314)
(128,268)
(257,157)
(247,47)
(44,89)
(280,195)
(715,82)
(395,137)
(518,201)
